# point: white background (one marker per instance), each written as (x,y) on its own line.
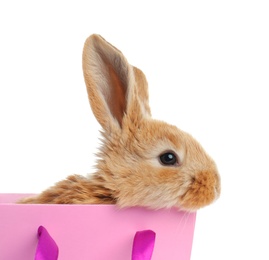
(207,65)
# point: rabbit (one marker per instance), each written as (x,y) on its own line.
(142,161)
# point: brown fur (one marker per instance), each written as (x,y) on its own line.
(129,172)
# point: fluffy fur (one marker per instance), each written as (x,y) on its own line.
(129,172)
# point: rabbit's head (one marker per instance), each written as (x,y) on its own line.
(143,161)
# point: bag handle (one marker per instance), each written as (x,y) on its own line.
(143,245)
(46,249)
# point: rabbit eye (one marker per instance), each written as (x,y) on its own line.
(168,158)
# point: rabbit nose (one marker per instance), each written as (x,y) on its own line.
(203,190)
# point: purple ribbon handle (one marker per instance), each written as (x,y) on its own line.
(143,245)
(46,249)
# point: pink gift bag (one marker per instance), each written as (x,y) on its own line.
(92,232)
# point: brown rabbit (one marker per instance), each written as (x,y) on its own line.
(142,162)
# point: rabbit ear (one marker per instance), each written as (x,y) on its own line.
(142,91)
(111,83)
